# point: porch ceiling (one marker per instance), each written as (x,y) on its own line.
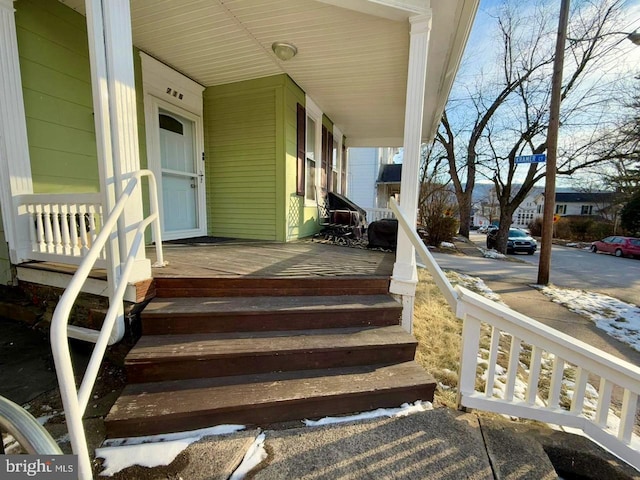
(353,64)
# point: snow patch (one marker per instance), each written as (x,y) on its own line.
(153,450)
(474,284)
(493,254)
(447,245)
(402,411)
(618,319)
(254,456)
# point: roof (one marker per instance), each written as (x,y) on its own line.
(586,197)
(390,173)
(352,54)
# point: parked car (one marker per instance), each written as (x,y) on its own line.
(487,228)
(619,246)
(518,241)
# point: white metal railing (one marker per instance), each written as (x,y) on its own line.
(375,214)
(25,429)
(62,227)
(548,346)
(75,401)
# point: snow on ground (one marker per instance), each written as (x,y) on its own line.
(447,245)
(474,284)
(492,254)
(619,319)
(153,450)
(402,411)
(254,456)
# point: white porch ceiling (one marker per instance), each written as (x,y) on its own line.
(353,64)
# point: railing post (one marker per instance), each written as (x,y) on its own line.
(405,278)
(15,166)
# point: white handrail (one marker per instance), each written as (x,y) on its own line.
(563,349)
(476,310)
(75,402)
(436,272)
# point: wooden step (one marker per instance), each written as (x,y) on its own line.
(273,286)
(153,408)
(174,357)
(242,314)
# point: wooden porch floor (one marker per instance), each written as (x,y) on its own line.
(258,259)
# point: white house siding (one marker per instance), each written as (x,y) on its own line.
(525,213)
(362,173)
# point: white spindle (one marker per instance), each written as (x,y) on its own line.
(604,402)
(557,373)
(57,236)
(493,360)
(92,222)
(33,236)
(534,375)
(48,230)
(469,355)
(628,415)
(512,369)
(40,228)
(65,219)
(83,230)
(74,224)
(577,402)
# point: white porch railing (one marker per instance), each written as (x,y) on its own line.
(375,214)
(548,346)
(62,227)
(75,402)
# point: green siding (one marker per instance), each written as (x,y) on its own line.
(56,81)
(5,265)
(241,152)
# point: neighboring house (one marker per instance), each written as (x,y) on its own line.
(597,204)
(527,211)
(363,171)
(388,184)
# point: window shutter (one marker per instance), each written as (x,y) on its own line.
(329,160)
(344,169)
(325,158)
(302,149)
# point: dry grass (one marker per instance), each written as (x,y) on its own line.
(439,335)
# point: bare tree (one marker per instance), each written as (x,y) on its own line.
(510,110)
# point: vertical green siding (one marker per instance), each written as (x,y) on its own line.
(240,122)
(56,81)
(5,264)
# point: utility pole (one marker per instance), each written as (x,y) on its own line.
(544,265)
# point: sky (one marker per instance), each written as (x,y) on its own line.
(478,65)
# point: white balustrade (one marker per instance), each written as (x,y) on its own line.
(62,227)
(567,361)
(375,214)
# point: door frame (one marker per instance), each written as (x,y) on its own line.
(166,89)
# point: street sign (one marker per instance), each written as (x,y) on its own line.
(537,158)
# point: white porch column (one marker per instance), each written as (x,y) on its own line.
(114,100)
(15,165)
(405,278)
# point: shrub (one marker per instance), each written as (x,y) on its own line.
(440,229)
(535,227)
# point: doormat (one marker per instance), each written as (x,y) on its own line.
(199,241)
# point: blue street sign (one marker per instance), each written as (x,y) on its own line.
(537,158)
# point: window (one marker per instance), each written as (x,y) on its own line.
(310,165)
(335,174)
(561,209)
(586,210)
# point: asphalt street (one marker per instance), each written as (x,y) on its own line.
(570,267)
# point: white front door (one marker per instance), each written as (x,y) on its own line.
(181,176)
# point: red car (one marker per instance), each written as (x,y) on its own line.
(619,246)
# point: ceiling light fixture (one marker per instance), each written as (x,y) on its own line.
(284,51)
